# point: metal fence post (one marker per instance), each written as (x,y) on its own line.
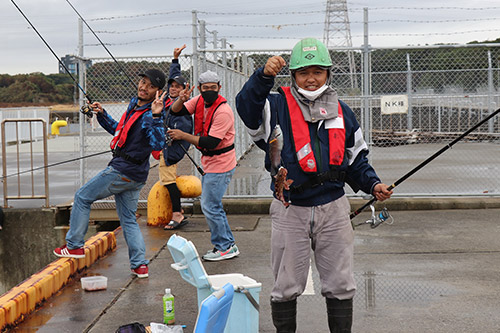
(365,122)
(490,92)
(81,99)
(409,92)
(203,46)
(195,46)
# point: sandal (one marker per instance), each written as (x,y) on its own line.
(172,225)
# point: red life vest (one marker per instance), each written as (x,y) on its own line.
(124,126)
(168,102)
(302,139)
(202,127)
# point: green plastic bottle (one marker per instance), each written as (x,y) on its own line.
(168,308)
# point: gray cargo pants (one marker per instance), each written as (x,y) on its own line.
(325,229)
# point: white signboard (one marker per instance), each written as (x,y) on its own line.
(394,104)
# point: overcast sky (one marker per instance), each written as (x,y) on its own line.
(153,27)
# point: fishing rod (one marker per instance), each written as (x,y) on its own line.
(103,45)
(85,110)
(54,164)
(200,170)
(427,161)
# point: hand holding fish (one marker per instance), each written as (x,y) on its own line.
(281,184)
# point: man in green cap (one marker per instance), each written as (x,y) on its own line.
(322,148)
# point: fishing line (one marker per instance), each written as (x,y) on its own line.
(54,164)
(87,111)
(55,55)
(200,170)
(427,161)
(103,45)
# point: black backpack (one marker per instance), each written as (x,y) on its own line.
(132,328)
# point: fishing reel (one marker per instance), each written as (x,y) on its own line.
(87,110)
(168,139)
(378,219)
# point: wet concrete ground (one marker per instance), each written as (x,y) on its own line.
(430,271)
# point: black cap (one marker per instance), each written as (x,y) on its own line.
(179,79)
(156,76)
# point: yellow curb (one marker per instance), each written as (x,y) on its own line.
(23,298)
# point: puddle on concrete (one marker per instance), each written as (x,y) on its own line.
(377,289)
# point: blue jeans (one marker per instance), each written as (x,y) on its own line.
(214,186)
(126,191)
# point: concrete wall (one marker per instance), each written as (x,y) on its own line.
(26,242)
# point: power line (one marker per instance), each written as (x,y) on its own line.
(284,25)
(434,33)
(424,8)
(429,21)
(142,41)
(109,18)
(144,29)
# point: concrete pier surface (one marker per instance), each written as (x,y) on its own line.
(435,269)
(430,271)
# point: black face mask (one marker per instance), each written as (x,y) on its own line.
(209,96)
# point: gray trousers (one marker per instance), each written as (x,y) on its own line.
(327,231)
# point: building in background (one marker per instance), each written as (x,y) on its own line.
(71,63)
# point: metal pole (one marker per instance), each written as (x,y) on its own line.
(409,92)
(195,46)
(215,39)
(366,83)
(4,165)
(81,99)
(225,87)
(490,91)
(45,163)
(203,46)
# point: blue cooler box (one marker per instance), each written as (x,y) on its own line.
(214,311)
(244,313)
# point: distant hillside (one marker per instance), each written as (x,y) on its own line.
(35,89)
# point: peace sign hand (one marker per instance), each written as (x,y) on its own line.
(185,93)
(157,105)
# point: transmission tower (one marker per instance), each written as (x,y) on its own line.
(337,33)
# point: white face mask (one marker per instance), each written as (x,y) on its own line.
(312,95)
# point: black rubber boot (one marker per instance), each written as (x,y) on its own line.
(339,315)
(284,316)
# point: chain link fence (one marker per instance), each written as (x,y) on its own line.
(445,90)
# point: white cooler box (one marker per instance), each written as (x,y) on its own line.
(244,313)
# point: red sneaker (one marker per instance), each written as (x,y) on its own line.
(141,271)
(64,252)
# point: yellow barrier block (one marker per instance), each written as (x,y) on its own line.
(23,298)
(3,322)
(10,312)
(189,186)
(159,209)
(32,299)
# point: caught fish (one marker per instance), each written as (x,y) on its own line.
(281,184)
(275,147)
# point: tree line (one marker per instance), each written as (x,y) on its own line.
(433,69)
(35,89)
